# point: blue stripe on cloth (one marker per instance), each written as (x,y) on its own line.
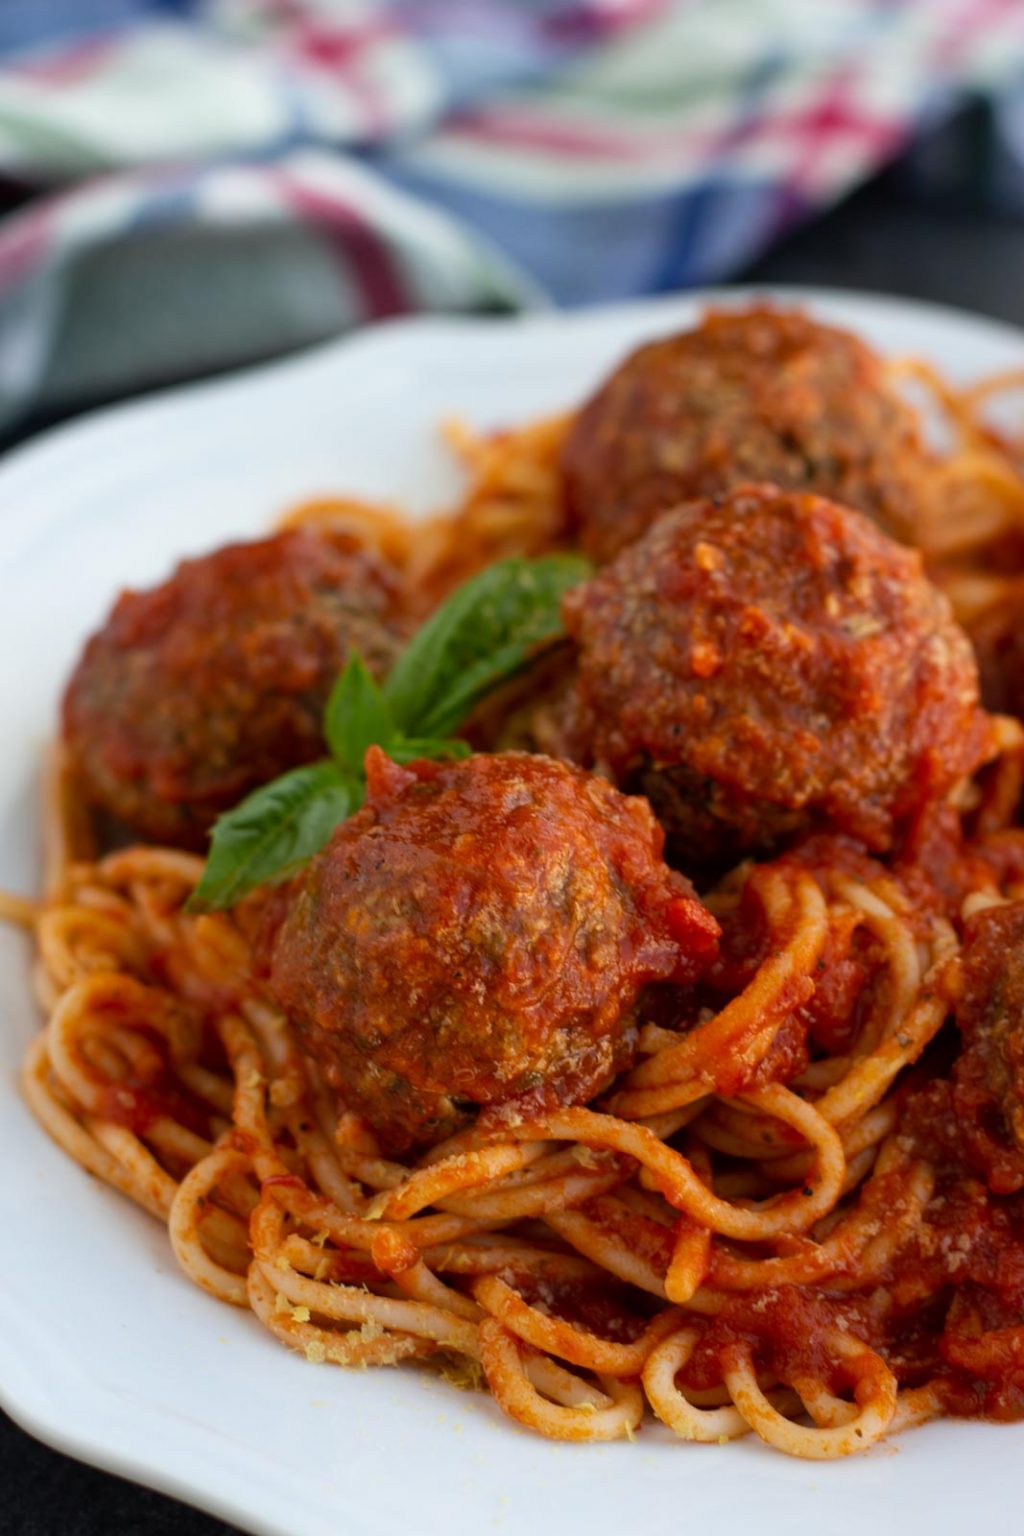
(481,46)
(296,129)
(170,203)
(608,251)
(735,223)
(691,245)
(26,25)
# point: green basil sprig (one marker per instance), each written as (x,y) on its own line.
(486,632)
(271,833)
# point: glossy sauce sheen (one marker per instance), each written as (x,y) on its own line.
(756,396)
(213,683)
(480,933)
(769,662)
(784,1117)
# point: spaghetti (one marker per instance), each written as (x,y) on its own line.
(748,1232)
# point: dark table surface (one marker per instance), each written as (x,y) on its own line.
(883,239)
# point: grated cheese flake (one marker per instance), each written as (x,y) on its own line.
(284,1092)
(464,1374)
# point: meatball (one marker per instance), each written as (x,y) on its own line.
(197,691)
(479,934)
(759,394)
(997,634)
(988,1078)
(768,663)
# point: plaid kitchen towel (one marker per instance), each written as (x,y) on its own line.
(205,182)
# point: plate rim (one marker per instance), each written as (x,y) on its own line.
(70,434)
(36,1409)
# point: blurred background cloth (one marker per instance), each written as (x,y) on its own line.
(195,184)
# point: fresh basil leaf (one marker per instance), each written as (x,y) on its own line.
(356,716)
(406,749)
(272,832)
(486,632)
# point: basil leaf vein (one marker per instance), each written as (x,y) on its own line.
(272,832)
(406,749)
(356,716)
(486,632)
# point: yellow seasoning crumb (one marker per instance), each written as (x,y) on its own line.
(315,1353)
(861,625)
(586,1156)
(464,1374)
(300,1314)
(705,659)
(371,1330)
(319,1240)
(284,1092)
(708,557)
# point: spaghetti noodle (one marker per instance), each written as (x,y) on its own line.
(748,1232)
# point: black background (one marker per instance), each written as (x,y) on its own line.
(887,238)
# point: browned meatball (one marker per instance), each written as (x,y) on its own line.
(197,691)
(479,934)
(756,394)
(769,662)
(988,1078)
(997,634)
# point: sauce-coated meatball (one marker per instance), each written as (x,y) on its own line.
(759,394)
(479,933)
(769,662)
(197,691)
(988,1078)
(997,634)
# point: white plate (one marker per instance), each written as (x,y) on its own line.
(106,1351)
